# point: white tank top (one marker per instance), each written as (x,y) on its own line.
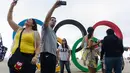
(63,53)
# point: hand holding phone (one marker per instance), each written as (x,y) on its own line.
(15,1)
(62,3)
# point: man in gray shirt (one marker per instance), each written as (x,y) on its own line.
(48,43)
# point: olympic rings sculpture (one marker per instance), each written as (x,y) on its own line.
(83,31)
(106,23)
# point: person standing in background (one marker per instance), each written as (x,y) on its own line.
(112,48)
(90,50)
(64,56)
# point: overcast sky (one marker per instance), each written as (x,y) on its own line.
(87,12)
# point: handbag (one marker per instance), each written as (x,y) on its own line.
(18,61)
(3,51)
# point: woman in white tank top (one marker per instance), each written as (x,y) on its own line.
(64,56)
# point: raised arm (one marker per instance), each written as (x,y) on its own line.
(12,24)
(49,14)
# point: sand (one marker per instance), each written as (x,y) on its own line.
(4,68)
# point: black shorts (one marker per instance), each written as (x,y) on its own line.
(48,62)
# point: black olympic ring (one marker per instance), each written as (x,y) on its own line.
(72,22)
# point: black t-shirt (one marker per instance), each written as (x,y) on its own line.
(112,46)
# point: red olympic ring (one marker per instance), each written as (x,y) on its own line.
(112,26)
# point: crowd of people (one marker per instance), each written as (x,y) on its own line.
(28,45)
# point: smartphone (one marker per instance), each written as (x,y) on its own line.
(62,3)
(15,1)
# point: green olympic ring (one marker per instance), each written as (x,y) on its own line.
(75,60)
